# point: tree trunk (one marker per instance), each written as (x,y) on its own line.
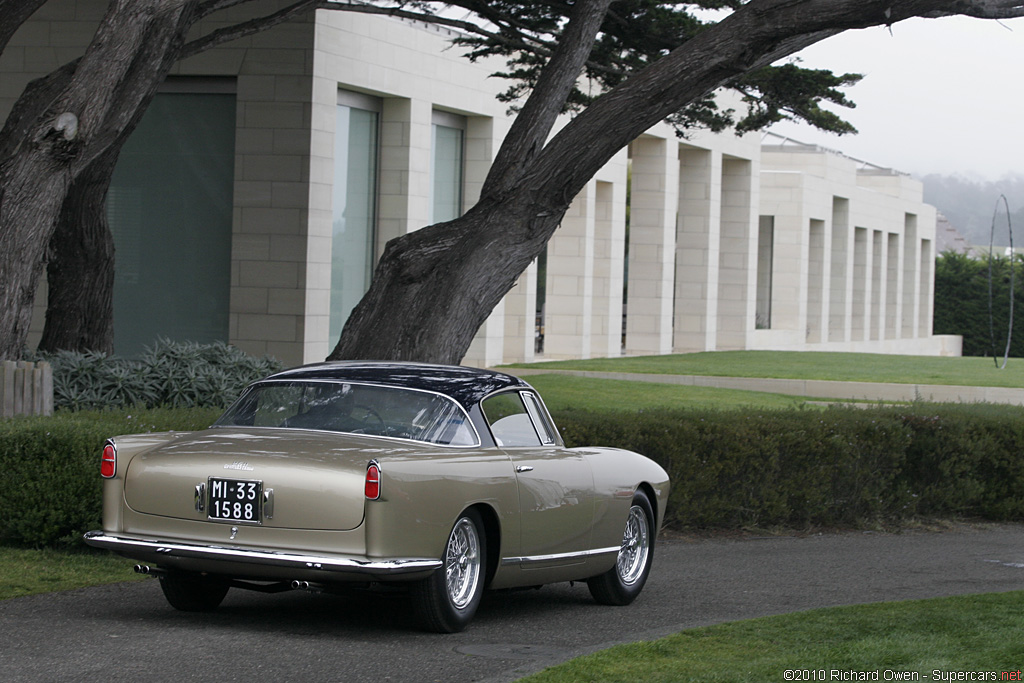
(57,130)
(80,270)
(443,281)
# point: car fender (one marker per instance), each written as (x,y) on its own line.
(618,474)
(422,496)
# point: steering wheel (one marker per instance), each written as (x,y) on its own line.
(370,413)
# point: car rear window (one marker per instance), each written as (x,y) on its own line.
(353,408)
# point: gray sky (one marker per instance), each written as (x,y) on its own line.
(938,96)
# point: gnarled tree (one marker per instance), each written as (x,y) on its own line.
(433,288)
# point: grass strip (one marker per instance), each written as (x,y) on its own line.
(28,572)
(974,637)
(563,392)
(846,367)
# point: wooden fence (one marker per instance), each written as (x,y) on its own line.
(25,388)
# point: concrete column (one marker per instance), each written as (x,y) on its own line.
(876,318)
(521,318)
(570,283)
(840,284)
(926,290)
(488,346)
(609,268)
(817,294)
(861,288)
(789,273)
(697,250)
(893,296)
(911,264)
(480,147)
(404,192)
(281,209)
(653,205)
(737,264)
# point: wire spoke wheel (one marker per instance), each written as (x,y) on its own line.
(621,584)
(447,601)
(635,547)
(462,568)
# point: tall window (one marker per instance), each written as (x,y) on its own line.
(355,204)
(765,262)
(169,205)
(446,166)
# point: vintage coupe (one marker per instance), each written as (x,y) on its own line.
(449,479)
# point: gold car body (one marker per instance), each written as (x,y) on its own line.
(551,513)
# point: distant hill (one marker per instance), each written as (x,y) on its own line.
(969,204)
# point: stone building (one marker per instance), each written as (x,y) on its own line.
(253,200)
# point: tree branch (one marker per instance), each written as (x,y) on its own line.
(259,24)
(14,13)
(756,35)
(247,28)
(532,126)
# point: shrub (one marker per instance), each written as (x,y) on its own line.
(167,374)
(847,467)
(962,285)
(838,467)
(49,468)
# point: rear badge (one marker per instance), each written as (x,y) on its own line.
(239,465)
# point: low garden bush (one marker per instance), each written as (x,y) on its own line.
(730,469)
(166,374)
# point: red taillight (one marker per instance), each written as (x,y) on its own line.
(372,489)
(108,461)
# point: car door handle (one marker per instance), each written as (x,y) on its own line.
(524,468)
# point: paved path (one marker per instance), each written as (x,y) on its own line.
(812,388)
(126,632)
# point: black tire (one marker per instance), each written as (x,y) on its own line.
(447,600)
(621,584)
(190,592)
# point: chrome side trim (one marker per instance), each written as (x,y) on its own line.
(533,559)
(259,556)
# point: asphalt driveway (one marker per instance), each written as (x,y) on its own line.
(126,632)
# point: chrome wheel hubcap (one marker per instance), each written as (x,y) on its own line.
(462,564)
(635,547)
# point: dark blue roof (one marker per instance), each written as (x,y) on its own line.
(466,385)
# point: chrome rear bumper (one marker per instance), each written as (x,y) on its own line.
(171,551)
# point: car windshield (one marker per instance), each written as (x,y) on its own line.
(354,408)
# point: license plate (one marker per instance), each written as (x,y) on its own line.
(235,500)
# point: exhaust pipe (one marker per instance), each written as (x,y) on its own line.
(149,571)
(307,586)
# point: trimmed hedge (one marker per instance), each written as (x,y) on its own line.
(848,467)
(838,467)
(49,469)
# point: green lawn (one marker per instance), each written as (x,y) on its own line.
(565,391)
(980,634)
(849,367)
(27,572)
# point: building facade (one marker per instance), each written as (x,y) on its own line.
(260,188)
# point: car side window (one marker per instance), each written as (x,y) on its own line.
(269,408)
(540,418)
(509,420)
